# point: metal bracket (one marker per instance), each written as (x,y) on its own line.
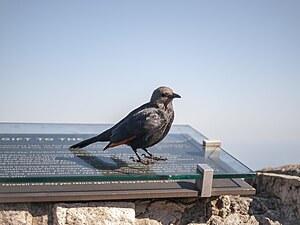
(211,148)
(205,184)
(212,143)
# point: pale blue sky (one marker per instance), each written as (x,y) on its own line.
(235,63)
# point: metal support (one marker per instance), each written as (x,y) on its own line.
(211,143)
(211,148)
(205,185)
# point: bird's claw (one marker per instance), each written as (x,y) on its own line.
(145,161)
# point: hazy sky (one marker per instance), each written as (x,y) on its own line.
(236,65)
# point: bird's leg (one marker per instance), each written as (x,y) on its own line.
(151,156)
(147,152)
(146,162)
(137,155)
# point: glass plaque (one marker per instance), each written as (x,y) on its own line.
(40,153)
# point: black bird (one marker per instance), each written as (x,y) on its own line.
(143,127)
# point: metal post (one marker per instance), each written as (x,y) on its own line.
(212,148)
(205,185)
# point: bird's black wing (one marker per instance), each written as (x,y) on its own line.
(139,122)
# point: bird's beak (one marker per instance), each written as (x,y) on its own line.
(176,95)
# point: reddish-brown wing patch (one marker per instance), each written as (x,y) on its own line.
(111,145)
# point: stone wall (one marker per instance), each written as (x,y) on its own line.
(277,202)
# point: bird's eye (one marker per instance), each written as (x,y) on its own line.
(163,95)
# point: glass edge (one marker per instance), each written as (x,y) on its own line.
(118,178)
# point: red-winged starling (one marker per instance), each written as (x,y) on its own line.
(143,127)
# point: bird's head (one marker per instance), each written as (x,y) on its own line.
(163,95)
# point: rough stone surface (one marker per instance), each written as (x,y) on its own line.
(292,169)
(93,213)
(15,214)
(25,213)
(242,210)
(281,193)
(277,202)
(165,212)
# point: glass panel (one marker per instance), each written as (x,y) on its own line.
(40,153)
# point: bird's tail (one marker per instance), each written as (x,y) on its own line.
(86,142)
(105,136)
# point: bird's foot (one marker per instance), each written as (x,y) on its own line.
(157,158)
(145,161)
